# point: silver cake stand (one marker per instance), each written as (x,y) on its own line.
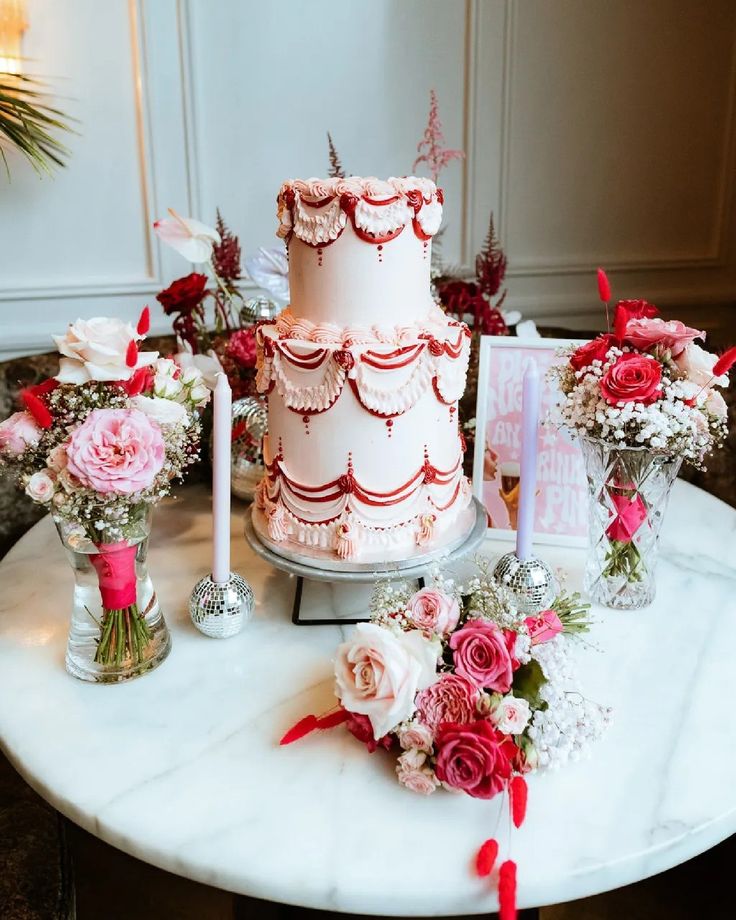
(465,536)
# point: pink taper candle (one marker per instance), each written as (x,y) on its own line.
(221,447)
(528,471)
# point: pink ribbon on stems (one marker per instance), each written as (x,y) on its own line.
(115,567)
(630,515)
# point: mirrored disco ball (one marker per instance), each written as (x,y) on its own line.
(220,610)
(530,581)
(257,309)
(250,421)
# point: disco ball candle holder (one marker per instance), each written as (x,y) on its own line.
(219,610)
(530,582)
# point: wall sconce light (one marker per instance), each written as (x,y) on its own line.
(12,26)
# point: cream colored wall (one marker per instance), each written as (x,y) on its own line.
(599,131)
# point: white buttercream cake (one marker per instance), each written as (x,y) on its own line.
(363,373)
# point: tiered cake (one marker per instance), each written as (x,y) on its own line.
(363,373)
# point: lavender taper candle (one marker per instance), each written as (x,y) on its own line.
(528,472)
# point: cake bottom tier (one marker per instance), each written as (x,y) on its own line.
(340,518)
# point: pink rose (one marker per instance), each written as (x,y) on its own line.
(360,727)
(475,758)
(19,432)
(644,333)
(630,514)
(433,611)
(633,378)
(511,715)
(378,674)
(543,627)
(415,773)
(451,699)
(116,450)
(41,486)
(481,654)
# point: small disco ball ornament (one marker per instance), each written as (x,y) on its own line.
(530,581)
(257,309)
(250,422)
(219,610)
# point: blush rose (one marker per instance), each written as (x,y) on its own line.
(433,611)
(633,378)
(644,333)
(378,674)
(97,349)
(481,655)
(414,772)
(120,451)
(697,364)
(19,432)
(475,758)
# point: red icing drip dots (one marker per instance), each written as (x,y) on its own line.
(389,426)
(319,256)
(380,252)
(425,246)
(305,419)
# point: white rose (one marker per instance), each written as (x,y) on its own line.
(97,349)
(163,411)
(200,395)
(378,674)
(697,364)
(208,365)
(716,405)
(511,715)
(40,487)
(166,387)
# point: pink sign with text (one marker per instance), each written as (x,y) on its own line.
(562,496)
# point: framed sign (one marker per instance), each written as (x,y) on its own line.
(561,512)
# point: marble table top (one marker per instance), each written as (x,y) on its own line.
(181,768)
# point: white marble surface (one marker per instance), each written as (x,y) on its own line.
(181,768)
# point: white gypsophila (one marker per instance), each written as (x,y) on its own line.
(680,422)
(570,723)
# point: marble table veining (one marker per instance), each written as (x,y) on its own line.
(181,768)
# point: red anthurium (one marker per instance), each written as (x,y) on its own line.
(144,323)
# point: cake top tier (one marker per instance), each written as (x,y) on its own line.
(317,211)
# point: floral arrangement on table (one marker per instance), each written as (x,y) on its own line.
(642,397)
(469,694)
(208,309)
(98,445)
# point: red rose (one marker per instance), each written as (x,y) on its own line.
(481,654)
(184,295)
(242,348)
(361,728)
(592,351)
(451,699)
(635,309)
(633,378)
(474,758)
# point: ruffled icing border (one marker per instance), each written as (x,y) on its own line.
(317,211)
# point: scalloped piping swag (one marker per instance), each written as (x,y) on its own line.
(317,211)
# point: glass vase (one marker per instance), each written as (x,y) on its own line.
(117,628)
(629,488)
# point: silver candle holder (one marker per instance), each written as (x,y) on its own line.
(530,581)
(219,609)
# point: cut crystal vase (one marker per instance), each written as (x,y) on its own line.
(629,488)
(117,628)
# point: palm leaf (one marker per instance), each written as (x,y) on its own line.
(29,124)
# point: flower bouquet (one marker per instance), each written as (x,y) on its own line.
(467,693)
(641,398)
(99,445)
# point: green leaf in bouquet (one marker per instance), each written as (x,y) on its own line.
(528,681)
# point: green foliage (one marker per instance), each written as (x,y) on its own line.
(528,681)
(29,125)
